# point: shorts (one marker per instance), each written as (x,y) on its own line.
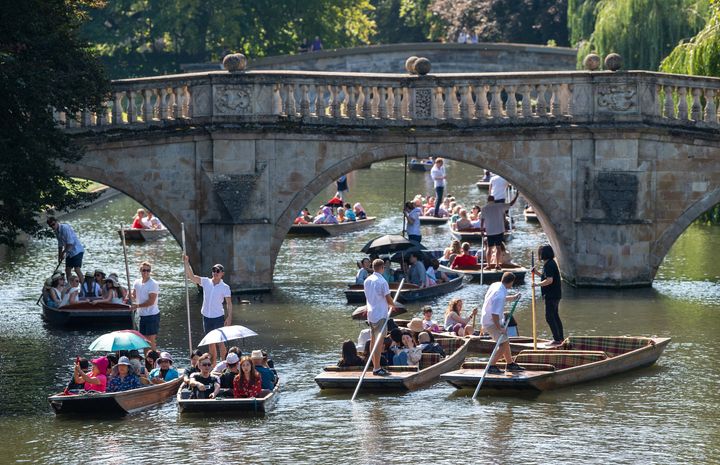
(495,333)
(149,325)
(495,239)
(213,323)
(376,327)
(414,237)
(75,261)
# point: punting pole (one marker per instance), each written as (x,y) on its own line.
(377,343)
(497,345)
(405,166)
(187,291)
(127,274)
(532,293)
(483,258)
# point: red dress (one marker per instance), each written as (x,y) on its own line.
(243,388)
(137,224)
(464,261)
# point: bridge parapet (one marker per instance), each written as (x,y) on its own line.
(362,99)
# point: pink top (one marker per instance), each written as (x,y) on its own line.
(97,387)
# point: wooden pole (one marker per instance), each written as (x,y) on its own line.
(483,259)
(377,343)
(187,291)
(532,293)
(405,168)
(127,275)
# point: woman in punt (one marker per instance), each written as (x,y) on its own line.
(73,292)
(248,382)
(138,219)
(350,357)
(123,377)
(96,380)
(112,294)
(454,322)
(359,211)
(325,217)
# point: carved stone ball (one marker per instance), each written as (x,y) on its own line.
(235,62)
(591,62)
(422,66)
(410,64)
(613,62)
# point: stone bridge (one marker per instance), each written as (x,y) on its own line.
(617,164)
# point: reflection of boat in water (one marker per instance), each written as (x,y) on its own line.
(420,165)
(85,313)
(530,215)
(433,219)
(331,229)
(410,292)
(579,359)
(140,235)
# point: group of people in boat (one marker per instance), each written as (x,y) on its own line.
(417,268)
(459,256)
(144,219)
(96,288)
(327,214)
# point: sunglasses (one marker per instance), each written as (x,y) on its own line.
(205,364)
(217,270)
(145,270)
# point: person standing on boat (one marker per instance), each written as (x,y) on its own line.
(145,297)
(215,293)
(437,173)
(492,218)
(69,247)
(342,187)
(551,289)
(498,188)
(412,213)
(493,321)
(379,302)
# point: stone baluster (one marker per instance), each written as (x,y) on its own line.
(103,117)
(336,108)
(397,113)
(526,105)
(511,104)
(541,109)
(291,107)
(406,110)
(177,107)
(187,103)
(132,108)
(448,103)
(276,100)
(481,103)
(316,96)
(696,108)
(438,103)
(465,99)
(284,96)
(367,104)
(353,94)
(496,102)
(682,104)
(382,112)
(147,106)
(555,109)
(304,101)
(117,115)
(669,103)
(569,110)
(710,115)
(163,107)
(86,119)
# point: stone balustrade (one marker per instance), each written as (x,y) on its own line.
(361,99)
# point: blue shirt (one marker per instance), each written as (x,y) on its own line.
(268,377)
(67,238)
(117,384)
(171,374)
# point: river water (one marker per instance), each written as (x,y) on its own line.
(663,414)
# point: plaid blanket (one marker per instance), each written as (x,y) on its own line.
(612,345)
(390,368)
(560,359)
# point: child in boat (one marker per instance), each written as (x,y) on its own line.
(350,357)
(428,323)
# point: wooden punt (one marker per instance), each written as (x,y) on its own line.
(489,276)
(420,165)
(228,405)
(355,293)
(530,215)
(483,185)
(403,378)
(114,403)
(331,229)
(475,235)
(143,235)
(433,220)
(580,359)
(84,313)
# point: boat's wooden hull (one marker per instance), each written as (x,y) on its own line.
(540,380)
(487,277)
(483,185)
(114,403)
(397,381)
(420,166)
(143,235)
(530,216)
(331,229)
(475,236)
(85,313)
(228,405)
(433,220)
(356,295)
(485,345)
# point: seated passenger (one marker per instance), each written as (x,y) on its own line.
(136,360)
(428,323)
(359,211)
(408,353)
(204,384)
(123,377)
(429,207)
(153,222)
(475,216)
(268,376)
(504,257)
(228,375)
(90,288)
(137,219)
(464,260)
(364,271)
(72,293)
(56,292)
(151,360)
(112,295)
(96,380)
(247,383)
(341,215)
(349,213)
(417,272)
(350,356)
(463,223)
(99,278)
(388,272)
(112,358)
(454,322)
(326,217)
(74,385)
(303,217)
(452,251)
(223,364)
(164,372)
(427,346)
(440,276)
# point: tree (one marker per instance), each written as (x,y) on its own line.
(581,19)
(401,21)
(43,65)
(523,21)
(642,31)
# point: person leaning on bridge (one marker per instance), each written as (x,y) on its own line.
(215,292)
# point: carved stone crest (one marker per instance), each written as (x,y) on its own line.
(616,97)
(423,103)
(232,100)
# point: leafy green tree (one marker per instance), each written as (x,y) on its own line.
(581,19)
(43,64)
(401,21)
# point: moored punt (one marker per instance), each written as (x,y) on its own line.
(114,403)
(434,220)
(141,235)
(85,313)
(420,165)
(410,292)
(578,360)
(228,405)
(489,276)
(401,378)
(483,185)
(331,229)
(475,235)
(530,215)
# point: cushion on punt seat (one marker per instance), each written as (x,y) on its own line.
(450,344)
(429,360)
(612,345)
(560,359)
(359,368)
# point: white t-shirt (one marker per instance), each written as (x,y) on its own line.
(494,304)
(438,175)
(147,224)
(493,217)
(498,187)
(376,288)
(213,297)
(66,298)
(142,293)
(414,227)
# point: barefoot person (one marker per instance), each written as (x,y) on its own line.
(493,321)
(377,294)
(551,292)
(145,297)
(215,293)
(69,247)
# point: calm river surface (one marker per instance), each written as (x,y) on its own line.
(664,414)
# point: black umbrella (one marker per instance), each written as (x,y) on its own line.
(391,243)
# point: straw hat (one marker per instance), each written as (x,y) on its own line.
(256,355)
(415,325)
